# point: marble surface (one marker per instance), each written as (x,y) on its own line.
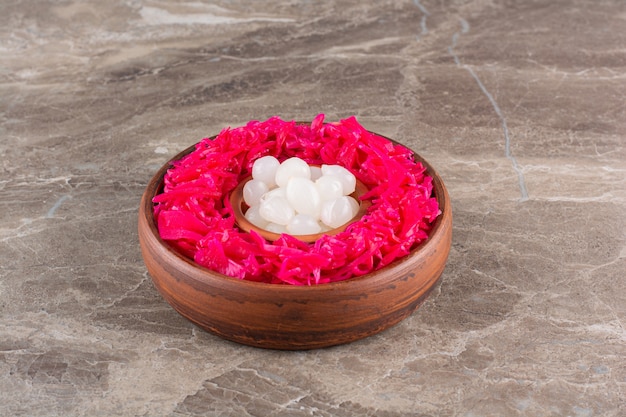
(519,105)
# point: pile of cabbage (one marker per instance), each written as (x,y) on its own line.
(194,215)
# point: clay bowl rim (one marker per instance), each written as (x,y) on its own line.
(182,262)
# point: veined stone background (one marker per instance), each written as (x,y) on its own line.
(520,106)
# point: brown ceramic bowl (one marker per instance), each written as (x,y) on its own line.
(295,317)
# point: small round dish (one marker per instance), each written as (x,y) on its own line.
(295,317)
(240,207)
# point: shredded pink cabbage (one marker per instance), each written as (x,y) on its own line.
(193,212)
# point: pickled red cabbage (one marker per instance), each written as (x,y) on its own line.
(193,213)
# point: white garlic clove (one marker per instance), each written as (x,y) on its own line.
(329,187)
(253,190)
(276,192)
(354,205)
(303,196)
(254,216)
(292,167)
(276,210)
(335,213)
(276,228)
(264,169)
(347,179)
(303,224)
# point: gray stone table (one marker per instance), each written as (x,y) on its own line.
(520,106)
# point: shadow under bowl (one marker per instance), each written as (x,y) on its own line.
(289,317)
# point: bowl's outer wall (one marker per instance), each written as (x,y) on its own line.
(293,317)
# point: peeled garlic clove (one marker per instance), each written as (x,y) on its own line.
(276,210)
(303,224)
(324,227)
(253,190)
(329,187)
(348,180)
(264,169)
(254,216)
(354,205)
(292,167)
(335,213)
(276,192)
(276,228)
(303,196)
